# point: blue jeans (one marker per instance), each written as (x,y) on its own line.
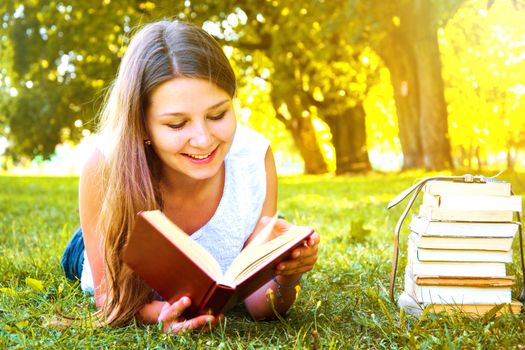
(73,257)
(73,260)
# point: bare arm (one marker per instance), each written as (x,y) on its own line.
(90,203)
(259,304)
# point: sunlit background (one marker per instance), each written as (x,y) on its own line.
(337,86)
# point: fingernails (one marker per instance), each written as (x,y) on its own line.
(209,319)
(185,301)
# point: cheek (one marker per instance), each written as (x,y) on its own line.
(227,130)
(168,141)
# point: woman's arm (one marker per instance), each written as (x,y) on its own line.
(288,273)
(90,203)
(287,276)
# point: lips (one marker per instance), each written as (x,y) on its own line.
(201,158)
(196,156)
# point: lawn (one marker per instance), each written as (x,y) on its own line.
(343,303)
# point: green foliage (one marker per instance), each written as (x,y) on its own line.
(293,59)
(484,70)
(343,302)
(59,57)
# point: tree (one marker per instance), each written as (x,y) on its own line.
(484,81)
(65,53)
(263,32)
(316,71)
(62,55)
(404,34)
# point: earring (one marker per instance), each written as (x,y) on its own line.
(147,142)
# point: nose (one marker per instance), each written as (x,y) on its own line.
(200,136)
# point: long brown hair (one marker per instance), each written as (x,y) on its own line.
(158,52)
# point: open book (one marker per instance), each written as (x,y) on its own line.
(175,266)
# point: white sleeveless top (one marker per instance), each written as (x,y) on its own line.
(239,208)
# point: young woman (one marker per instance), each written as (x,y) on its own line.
(169,140)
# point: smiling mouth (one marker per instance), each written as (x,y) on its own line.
(200,156)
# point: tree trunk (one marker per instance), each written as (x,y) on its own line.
(349,140)
(511,161)
(411,53)
(433,109)
(399,60)
(305,139)
(304,136)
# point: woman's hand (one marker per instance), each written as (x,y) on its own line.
(173,322)
(302,258)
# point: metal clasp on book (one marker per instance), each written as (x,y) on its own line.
(469,178)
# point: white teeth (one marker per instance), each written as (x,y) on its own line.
(199,156)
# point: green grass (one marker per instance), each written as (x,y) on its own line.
(343,303)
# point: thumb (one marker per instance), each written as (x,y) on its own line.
(282,226)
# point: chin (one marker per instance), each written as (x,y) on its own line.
(203,174)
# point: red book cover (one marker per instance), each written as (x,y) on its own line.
(171,263)
(166,268)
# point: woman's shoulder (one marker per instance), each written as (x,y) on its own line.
(94,158)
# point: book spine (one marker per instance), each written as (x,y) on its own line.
(216,300)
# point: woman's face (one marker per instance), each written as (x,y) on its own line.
(191,124)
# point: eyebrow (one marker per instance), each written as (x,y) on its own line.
(182,114)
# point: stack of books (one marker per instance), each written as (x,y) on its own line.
(458,248)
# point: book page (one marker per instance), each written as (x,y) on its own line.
(265,233)
(189,247)
(254,256)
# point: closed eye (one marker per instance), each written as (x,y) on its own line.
(177,126)
(217,117)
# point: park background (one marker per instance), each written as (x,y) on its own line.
(360,98)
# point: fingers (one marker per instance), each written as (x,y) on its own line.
(172,312)
(198,323)
(315,238)
(171,317)
(306,250)
(282,225)
(266,231)
(300,264)
(294,266)
(302,259)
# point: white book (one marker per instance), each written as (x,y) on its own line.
(465,255)
(457,294)
(491,269)
(425,227)
(465,243)
(451,187)
(467,215)
(451,201)
(454,268)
